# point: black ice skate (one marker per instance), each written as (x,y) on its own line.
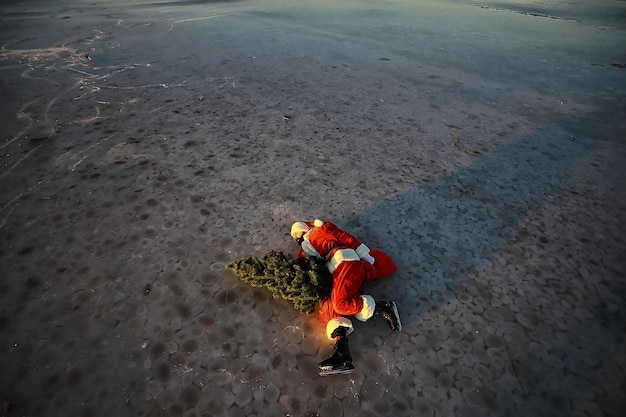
(340,362)
(389,311)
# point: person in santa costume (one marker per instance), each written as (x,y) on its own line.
(352,264)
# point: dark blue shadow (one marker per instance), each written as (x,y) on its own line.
(442,232)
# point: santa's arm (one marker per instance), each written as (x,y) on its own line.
(349,241)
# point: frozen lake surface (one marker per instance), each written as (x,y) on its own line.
(146,144)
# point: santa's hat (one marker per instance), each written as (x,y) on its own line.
(302,227)
(298,228)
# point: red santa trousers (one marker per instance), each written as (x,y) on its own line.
(348,279)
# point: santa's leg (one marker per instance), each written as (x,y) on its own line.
(340,361)
(386,309)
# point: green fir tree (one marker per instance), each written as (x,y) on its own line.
(303,281)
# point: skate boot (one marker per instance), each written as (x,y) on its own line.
(340,362)
(389,311)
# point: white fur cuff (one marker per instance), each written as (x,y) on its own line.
(369,305)
(369,258)
(362,250)
(333,324)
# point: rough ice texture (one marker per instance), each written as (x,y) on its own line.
(479,143)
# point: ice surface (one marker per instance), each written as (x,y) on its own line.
(146,144)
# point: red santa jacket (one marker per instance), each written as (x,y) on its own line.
(325,240)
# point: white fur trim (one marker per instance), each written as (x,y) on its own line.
(333,324)
(369,258)
(318,223)
(340,256)
(363,250)
(308,247)
(369,305)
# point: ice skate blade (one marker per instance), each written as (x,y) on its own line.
(395,310)
(328,371)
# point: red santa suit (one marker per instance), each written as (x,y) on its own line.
(351,263)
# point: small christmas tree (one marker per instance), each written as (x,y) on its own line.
(303,281)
